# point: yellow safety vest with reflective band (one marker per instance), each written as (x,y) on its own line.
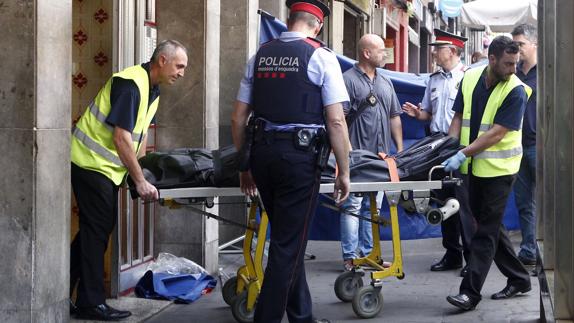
(502,158)
(92,143)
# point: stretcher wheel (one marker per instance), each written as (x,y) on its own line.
(239,309)
(347,285)
(368,302)
(229,290)
(401,276)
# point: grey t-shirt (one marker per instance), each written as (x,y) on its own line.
(372,129)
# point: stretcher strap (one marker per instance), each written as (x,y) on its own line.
(392,164)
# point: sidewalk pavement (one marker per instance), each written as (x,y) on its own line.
(419,297)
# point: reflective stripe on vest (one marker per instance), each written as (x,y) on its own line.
(482,128)
(96,147)
(92,145)
(502,158)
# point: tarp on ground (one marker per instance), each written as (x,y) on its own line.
(499,16)
(409,87)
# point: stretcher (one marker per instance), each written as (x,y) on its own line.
(241,291)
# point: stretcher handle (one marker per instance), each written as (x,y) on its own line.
(448,181)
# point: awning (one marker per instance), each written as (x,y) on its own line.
(498,15)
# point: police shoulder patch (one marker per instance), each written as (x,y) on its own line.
(314,42)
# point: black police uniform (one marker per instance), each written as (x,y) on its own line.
(286,175)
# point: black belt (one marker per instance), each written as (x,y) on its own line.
(287,135)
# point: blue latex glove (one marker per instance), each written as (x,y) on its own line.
(454,162)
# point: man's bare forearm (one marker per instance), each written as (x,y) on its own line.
(486,140)
(124,147)
(397,132)
(456,123)
(338,136)
(241,112)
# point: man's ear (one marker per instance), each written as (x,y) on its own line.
(162,60)
(320,30)
(366,53)
(491,59)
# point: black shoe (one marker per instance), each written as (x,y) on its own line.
(527,261)
(510,291)
(462,301)
(446,264)
(73,308)
(102,312)
(464,271)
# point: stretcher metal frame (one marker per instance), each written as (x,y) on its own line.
(241,291)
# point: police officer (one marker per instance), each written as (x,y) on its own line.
(294,87)
(106,142)
(488,109)
(437,107)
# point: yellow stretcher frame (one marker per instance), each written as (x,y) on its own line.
(367,300)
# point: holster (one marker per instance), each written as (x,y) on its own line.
(323,148)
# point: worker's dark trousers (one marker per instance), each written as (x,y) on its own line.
(288,182)
(488,197)
(460,226)
(96,196)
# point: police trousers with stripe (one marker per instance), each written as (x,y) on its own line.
(288,182)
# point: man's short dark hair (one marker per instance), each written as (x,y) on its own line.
(501,45)
(527,30)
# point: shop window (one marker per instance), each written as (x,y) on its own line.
(353,21)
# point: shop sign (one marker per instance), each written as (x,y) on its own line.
(389,55)
(389,51)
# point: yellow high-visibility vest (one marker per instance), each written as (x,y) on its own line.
(502,158)
(92,145)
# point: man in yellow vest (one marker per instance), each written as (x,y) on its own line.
(106,142)
(488,120)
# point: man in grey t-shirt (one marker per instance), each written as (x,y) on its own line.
(373,117)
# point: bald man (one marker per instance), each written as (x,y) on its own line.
(373,117)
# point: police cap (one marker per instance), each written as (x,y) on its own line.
(444,38)
(314,7)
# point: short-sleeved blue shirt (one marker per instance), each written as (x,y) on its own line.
(125,101)
(509,115)
(529,123)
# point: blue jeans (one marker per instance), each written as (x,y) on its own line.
(524,190)
(357,233)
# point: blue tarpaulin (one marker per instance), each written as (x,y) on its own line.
(409,87)
(181,288)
